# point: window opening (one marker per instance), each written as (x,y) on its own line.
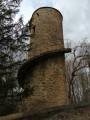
(33,29)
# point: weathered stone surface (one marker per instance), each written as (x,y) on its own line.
(47,75)
(34,60)
(68,112)
(48,34)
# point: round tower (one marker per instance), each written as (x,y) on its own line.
(45,68)
(46,31)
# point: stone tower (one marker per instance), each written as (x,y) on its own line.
(45,68)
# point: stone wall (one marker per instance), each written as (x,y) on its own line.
(46,75)
(68,112)
(48,79)
(48,35)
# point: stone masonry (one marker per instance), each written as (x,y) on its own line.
(67,112)
(47,34)
(45,68)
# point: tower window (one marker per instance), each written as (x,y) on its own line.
(33,29)
(37,14)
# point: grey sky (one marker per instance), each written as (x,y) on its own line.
(76,15)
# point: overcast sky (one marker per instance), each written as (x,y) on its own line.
(76,15)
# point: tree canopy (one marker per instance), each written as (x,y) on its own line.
(14,44)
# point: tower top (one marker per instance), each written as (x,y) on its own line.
(41,8)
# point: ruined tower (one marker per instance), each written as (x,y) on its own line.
(45,67)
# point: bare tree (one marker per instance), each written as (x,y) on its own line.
(77,67)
